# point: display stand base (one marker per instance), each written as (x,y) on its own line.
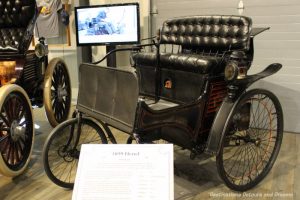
(112,59)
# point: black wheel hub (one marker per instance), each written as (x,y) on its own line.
(61,93)
(17,131)
(68,154)
(246,139)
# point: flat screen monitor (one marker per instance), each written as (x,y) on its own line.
(111,24)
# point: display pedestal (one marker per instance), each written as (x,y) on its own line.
(112,58)
(125,172)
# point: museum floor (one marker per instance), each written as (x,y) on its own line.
(196,179)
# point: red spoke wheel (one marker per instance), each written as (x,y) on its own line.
(252,140)
(16,130)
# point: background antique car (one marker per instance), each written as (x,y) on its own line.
(192,91)
(27,79)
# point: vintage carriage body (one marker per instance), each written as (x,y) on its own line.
(191,91)
(26,80)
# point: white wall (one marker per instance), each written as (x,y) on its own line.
(280,44)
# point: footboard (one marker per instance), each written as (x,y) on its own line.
(108,94)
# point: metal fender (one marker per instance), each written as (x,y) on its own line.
(217,130)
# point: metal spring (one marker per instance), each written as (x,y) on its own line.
(232,91)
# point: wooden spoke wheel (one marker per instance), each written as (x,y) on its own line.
(57,92)
(16,130)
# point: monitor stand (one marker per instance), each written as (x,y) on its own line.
(111,59)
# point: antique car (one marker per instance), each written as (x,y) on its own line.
(192,91)
(27,80)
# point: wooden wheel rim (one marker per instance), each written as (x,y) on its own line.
(57,92)
(15,150)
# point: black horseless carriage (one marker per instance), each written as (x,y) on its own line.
(193,91)
(27,79)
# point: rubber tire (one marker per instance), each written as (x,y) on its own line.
(47,92)
(130,140)
(269,165)
(55,132)
(4,92)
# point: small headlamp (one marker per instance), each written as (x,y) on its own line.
(40,50)
(231,71)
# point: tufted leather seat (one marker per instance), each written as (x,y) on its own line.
(185,62)
(17,18)
(204,39)
(201,46)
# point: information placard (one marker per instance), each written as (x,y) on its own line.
(125,172)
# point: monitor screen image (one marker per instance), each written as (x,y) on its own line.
(107,24)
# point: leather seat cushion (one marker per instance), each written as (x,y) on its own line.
(184,62)
(145,58)
(193,63)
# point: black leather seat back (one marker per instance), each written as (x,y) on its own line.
(208,33)
(17,19)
